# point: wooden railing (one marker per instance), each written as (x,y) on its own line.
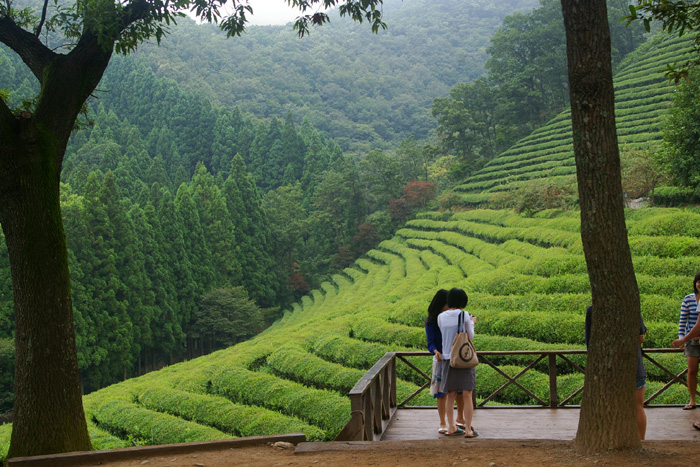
(373,399)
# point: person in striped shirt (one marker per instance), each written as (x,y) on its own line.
(691,346)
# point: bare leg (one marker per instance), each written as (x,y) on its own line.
(468,412)
(460,409)
(451,428)
(641,414)
(441,404)
(692,377)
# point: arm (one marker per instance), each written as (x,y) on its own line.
(431,333)
(469,324)
(692,334)
(683,319)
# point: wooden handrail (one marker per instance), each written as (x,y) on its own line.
(373,398)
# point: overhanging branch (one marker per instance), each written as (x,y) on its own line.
(43,18)
(30,49)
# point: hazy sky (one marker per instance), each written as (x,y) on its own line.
(272,12)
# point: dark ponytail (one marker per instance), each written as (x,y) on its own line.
(436,306)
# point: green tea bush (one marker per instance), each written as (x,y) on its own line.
(488,381)
(675,196)
(298,365)
(504,282)
(670,222)
(314,371)
(530,301)
(363,355)
(544,327)
(660,307)
(554,262)
(661,334)
(99,438)
(654,266)
(667,247)
(325,409)
(222,414)
(5,433)
(127,419)
(376,330)
(487,342)
(675,362)
(524,249)
(676,394)
(670,286)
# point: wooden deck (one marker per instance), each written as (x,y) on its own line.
(663,423)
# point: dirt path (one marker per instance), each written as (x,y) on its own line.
(489,453)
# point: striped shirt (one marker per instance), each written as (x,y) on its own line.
(689,315)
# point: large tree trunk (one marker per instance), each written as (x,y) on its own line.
(608,408)
(48,414)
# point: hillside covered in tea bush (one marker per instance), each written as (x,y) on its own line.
(527,283)
(524,272)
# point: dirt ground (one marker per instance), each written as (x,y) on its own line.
(487,452)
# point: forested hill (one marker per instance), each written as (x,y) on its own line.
(363,90)
(159,212)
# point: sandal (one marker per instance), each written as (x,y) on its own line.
(696,425)
(473,435)
(457,432)
(690,407)
(442,430)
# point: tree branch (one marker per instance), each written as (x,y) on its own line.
(30,49)
(43,18)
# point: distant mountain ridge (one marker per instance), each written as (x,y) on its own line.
(364,90)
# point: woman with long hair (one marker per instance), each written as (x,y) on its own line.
(434,337)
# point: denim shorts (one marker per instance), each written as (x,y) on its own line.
(641,382)
(692,348)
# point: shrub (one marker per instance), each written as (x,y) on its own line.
(102,439)
(544,327)
(675,196)
(322,408)
(5,433)
(376,330)
(312,370)
(222,414)
(127,419)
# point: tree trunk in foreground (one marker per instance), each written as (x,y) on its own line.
(48,414)
(608,418)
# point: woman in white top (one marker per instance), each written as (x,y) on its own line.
(457,379)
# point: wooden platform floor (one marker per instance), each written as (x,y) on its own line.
(663,423)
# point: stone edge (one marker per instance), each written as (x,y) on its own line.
(110,455)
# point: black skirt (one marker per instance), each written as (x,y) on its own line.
(456,379)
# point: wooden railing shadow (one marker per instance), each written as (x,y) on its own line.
(373,399)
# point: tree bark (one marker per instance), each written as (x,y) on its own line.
(48,413)
(48,410)
(608,407)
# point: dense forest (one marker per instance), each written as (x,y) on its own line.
(215,182)
(366,91)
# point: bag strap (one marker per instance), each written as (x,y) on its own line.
(460,323)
